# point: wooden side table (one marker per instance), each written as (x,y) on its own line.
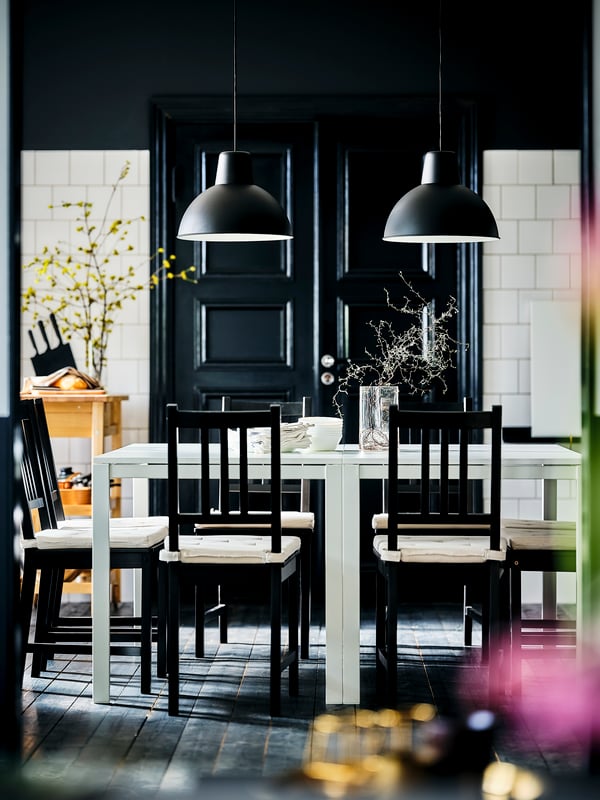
(95,416)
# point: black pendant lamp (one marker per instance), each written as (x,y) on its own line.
(235,209)
(441,209)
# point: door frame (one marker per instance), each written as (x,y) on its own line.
(170,111)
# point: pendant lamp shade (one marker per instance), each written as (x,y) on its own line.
(235,209)
(441,209)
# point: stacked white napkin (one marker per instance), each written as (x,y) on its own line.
(294,436)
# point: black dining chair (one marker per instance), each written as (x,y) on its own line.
(227,542)
(48,550)
(50,479)
(446,533)
(546,546)
(297,518)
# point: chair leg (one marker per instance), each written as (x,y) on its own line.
(202,614)
(161,623)
(504,623)
(275,653)
(42,621)
(198,621)
(146,628)
(516,642)
(391,629)
(386,634)
(173,639)
(48,615)
(26,608)
(495,643)
(223,617)
(380,611)
(467,618)
(486,610)
(57,590)
(305,595)
(471,614)
(293,619)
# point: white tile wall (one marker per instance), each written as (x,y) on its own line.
(535,198)
(534,195)
(531,193)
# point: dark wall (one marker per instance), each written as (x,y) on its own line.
(91,69)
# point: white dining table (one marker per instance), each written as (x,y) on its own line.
(342,471)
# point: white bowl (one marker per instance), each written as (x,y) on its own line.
(336,421)
(325,432)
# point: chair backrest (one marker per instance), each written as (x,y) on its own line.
(413,436)
(35,487)
(410,436)
(291,411)
(47,462)
(210,431)
(446,482)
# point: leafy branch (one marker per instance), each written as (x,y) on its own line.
(77,283)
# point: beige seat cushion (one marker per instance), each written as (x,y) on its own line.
(118,522)
(432,549)
(142,536)
(438,549)
(227,549)
(539,534)
(298,520)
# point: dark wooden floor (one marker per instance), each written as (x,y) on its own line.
(132,748)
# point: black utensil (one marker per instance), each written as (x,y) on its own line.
(63,350)
(37,360)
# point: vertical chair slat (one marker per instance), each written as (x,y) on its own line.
(244,484)
(463,480)
(444,481)
(425,470)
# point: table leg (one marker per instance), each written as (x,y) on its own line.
(101,585)
(141,508)
(334,598)
(351,584)
(342,585)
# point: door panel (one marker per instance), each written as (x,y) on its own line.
(243,330)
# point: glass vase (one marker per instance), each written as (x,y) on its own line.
(374,417)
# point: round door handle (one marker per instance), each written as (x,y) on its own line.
(327,361)
(327,378)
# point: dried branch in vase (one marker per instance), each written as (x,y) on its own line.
(414,358)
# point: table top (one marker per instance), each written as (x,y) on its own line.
(66,396)
(513,454)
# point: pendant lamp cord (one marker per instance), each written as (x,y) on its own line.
(234,75)
(440,73)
